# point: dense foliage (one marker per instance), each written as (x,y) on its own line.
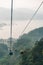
(33,56)
(28,50)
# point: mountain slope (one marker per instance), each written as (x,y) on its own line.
(28,40)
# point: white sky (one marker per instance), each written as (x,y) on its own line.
(20,3)
(32,4)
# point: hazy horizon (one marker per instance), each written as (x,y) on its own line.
(22,13)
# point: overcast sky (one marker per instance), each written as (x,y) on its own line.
(22,10)
(20,3)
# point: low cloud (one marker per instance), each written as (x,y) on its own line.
(2,25)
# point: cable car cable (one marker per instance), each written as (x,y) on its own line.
(32,17)
(11,53)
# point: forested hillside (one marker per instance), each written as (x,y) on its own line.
(27,50)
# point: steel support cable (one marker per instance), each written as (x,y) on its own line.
(11,25)
(26,25)
(32,17)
